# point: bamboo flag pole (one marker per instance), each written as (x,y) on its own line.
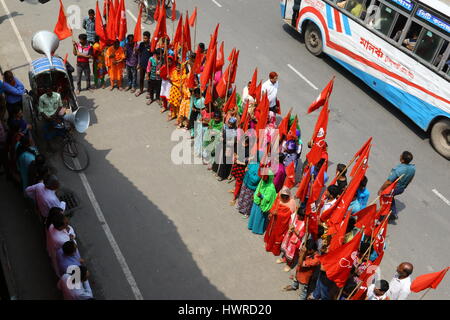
(425,294)
(336,177)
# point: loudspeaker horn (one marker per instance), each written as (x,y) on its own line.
(45,42)
(80,119)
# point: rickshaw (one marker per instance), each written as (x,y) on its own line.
(42,75)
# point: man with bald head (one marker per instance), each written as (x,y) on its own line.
(399,287)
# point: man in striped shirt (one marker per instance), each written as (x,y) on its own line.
(89,26)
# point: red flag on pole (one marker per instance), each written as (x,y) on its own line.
(292,134)
(234,68)
(208,97)
(174,11)
(62,30)
(160,30)
(319,135)
(323,96)
(319,183)
(366,218)
(137,28)
(193,17)
(177,38)
(264,113)
(156,14)
(429,280)
(339,263)
(363,156)
(258,91)
(231,102)
(220,60)
(284,124)
(186,36)
(209,68)
(99,28)
(252,87)
(365,278)
(110,23)
(380,238)
(289,182)
(213,41)
(304,183)
(122,21)
(198,61)
(386,197)
(338,238)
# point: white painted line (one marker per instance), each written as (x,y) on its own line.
(218,4)
(87,186)
(132,15)
(112,241)
(441,197)
(303,77)
(16,31)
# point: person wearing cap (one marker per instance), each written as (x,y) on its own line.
(378,291)
(279,218)
(271,88)
(263,200)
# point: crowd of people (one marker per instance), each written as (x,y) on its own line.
(305,228)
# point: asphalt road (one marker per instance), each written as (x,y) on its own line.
(172,223)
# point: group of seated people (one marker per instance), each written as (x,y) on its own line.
(30,171)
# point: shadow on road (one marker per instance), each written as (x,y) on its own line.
(13,14)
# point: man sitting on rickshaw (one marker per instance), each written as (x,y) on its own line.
(52,111)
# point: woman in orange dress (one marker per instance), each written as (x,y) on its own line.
(115,61)
(183,114)
(175,92)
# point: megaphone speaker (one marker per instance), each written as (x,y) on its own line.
(80,119)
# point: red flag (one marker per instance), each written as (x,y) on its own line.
(191,80)
(338,238)
(318,183)
(292,134)
(380,238)
(327,213)
(160,30)
(209,68)
(346,199)
(363,157)
(110,23)
(198,61)
(386,197)
(177,38)
(105,7)
(220,60)
(366,218)
(264,114)
(122,21)
(258,91)
(99,29)
(429,280)
(234,67)
(186,37)
(252,87)
(339,263)
(208,97)
(137,28)
(232,54)
(174,11)
(312,216)
(304,183)
(289,182)
(319,135)
(213,41)
(156,14)
(62,30)
(231,102)
(65,58)
(284,124)
(244,116)
(193,17)
(324,95)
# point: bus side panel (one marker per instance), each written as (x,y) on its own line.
(286,9)
(421,112)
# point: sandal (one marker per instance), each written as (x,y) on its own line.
(232,202)
(287,269)
(289,288)
(149,102)
(132,90)
(139,93)
(280,260)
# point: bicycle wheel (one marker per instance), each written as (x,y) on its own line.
(74,155)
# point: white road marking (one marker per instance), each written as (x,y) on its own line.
(132,15)
(16,31)
(440,196)
(218,4)
(87,186)
(303,77)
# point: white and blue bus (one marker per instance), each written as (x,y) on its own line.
(400,48)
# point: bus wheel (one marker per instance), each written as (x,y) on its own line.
(313,39)
(440,137)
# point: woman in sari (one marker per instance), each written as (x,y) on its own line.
(115,61)
(279,218)
(211,138)
(249,185)
(240,164)
(164,72)
(292,240)
(183,114)
(98,65)
(175,92)
(263,200)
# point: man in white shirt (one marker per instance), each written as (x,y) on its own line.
(331,195)
(378,290)
(271,87)
(399,287)
(73,288)
(44,194)
(246,97)
(58,233)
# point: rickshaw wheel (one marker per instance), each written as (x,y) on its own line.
(74,155)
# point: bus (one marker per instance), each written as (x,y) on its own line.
(399,48)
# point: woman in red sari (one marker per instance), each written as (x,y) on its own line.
(279,218)
(292,240)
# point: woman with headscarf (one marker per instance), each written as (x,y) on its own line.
(263,200)
(279,218)
(228,147)
(280,175)
(240,164)
(175,92)
(249,185)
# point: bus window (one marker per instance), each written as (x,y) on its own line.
(384,19)
(356,7)
(439,57)
(411,37)
(428,45)
(398,27)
